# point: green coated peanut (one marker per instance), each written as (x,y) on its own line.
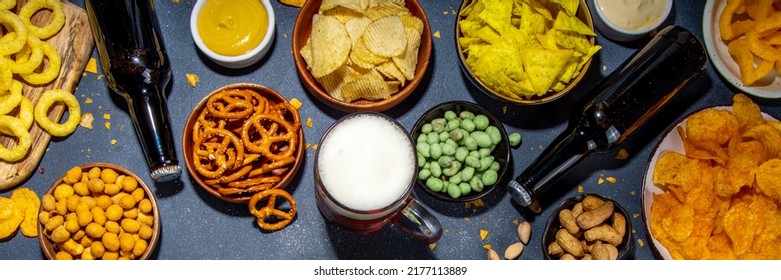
(484,152)
(435,184)
(470,143)
(443,136)
(454,167)
(514,139)
(455,179)
(421,160)
(496,135)
(489,177)
(481,122)
(424,174)
(449,149)
(435,151)
(421,138)
(468,125)
(464,115)
(485,163)
(476,184)
(437,127)
(436,170)
(426,128)
(495,166)
(453,124)
(482,139)
(465,188)
(461,153)
(432,137)
(445,161)
(475,154)
(457,134)
(467,173)
(445,185)
(450,115)
(439,121)
(427,165)
(423,149)
(454,191)
(472,161)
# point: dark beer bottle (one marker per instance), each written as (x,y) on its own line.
(616,107)
(136,66)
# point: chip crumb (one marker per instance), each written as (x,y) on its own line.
(611,179)
(92,66)
(314,147)
(452,12)
(296,103)
(86,120)
(308,122)
(600,181)
(635,215)
(580,188)
(175,1)
(483,234)
(466,219)
(487,246)
(504,109)
(284,35)
(431,246)
(633,193)
(106,116)
(640,243)
(306,146)
(437,35)
(83,74)
(88,101)
(100,77)
(113,141)
(476,203)
(192,79)
(634,231)
(41,170)
(108,126)
(516,222)
(604,68)
(445,12)
(622,154)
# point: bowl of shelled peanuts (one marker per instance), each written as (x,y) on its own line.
(463,151)
(98,211)
(588,227)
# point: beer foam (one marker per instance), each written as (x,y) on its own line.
(366,162)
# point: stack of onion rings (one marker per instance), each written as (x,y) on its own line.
(243,142)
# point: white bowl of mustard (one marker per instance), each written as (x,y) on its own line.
(628,20)
(233,33)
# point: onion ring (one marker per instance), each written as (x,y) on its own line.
(269,211)
(23,139)
(52,69)
(25,115)
(54,25)
(19,34)
(7,4)
(6,76)
(42,109)
(28,58)
(11,98)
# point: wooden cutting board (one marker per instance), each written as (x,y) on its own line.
(74,43)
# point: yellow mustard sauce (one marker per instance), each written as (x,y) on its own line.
(232,27)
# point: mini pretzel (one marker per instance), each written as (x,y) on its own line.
(270,211)
(272,143)
(230,104)
(217,154)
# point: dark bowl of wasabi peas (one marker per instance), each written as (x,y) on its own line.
(463,151)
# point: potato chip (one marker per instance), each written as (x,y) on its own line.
(741,225)
(11,215)
(680,223)
(294,3)
(410,21)
(330,45)
(333,82)
(386,36)
(769,136)
(361,56)
(408,61)
(720,247)
(306,53)
(711,125)
(385,9)
(26,198)
(769,178)
(370,86)
(355,28)
(746,111)
(342,14)
(355,5)
(390,71)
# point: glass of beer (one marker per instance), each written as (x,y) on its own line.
(365,168)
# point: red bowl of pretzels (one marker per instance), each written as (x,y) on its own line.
(243,139)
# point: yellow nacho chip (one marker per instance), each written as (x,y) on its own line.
(30,202)
(544,66)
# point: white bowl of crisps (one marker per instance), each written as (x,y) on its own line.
(98,211)
(744,53)
(711,187)
(556,45)
(588,227)
(233,34)
(355,57)
(242,139)
(462,150)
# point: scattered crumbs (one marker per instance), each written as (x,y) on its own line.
(640,243)
(633,193)
(314,147)
(452,12)
(308,122)
(444,13)
(306,146)
(487,246)
(504,109)
(611,179)
(476,203)
(41,170)
(106,116)
(284,35)
(175,1)
(86,120)
(192,79)
(604,68)
(437,34)
(622,154)
(580,188)
(113,141)
(483,234)
(92,66)
(466,219)
(541,147)
(122,128)
(100,107)
(634,231)
(88,101)
(296,103)
(516,222)
(600,181)
(431,246)
(83,74)
(108,126)
(635,215)
(100,77)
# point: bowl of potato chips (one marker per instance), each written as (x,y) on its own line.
(743,52)
(711,189)
(98,211)
(525,52)
(355,56)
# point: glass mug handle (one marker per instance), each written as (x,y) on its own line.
(417,221)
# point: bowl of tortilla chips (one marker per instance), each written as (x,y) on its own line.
(360,56)
(525,53)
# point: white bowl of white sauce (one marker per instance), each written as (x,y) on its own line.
(627,20)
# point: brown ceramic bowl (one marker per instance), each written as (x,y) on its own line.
(287,173)
(583,14)
(50,249)
(301,31)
